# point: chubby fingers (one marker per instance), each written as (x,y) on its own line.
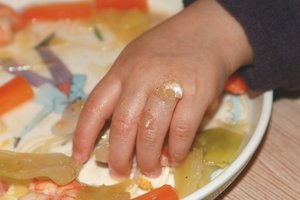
(124,128)
(98,108)
(185,123)
(152,130)
(169,111)
(143,119)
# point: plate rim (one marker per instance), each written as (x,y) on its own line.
(221,182)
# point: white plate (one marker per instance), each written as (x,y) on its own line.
(260,110)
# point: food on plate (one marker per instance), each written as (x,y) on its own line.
(44,189)
(213,149)
(114,192)
(25,166)
(236,85)
(121,5)
(165,192)
(189,174)
(57,11)
(67,124)
(220,145)
(69,47)
(14,93)
(101,153)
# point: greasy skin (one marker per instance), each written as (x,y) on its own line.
(199,48)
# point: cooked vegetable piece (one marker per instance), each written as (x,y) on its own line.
(16,192)
(58,11)
(52,190)
(101,153)
(121,4)
(220,145)
(144,183)
(3,187)
(236,85)
(98,33)
(23,166)
(113,192)
(67,124)
(165,192)
(14,93)
(189,173)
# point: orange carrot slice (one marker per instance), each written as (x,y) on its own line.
(165,192)
(121,4)
(3,188)
(14,93)
(236,85)
(57,11)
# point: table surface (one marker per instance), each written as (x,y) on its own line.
(274,171)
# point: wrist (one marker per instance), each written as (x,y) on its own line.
(227,35)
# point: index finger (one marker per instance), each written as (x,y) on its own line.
(97,110)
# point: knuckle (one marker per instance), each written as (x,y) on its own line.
(147,130)
(92,108)
(148,137)
(121,124)
(181,131)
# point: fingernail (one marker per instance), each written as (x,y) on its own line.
(174,163)
(117,176)
(153,174)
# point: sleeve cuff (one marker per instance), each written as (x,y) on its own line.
(273,29)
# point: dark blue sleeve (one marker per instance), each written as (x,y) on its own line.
(187,2)
(273,29)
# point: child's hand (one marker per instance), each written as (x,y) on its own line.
(195,51)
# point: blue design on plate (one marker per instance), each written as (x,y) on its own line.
(53,100)
(237,107)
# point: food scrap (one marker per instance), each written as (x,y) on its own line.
(14,93)
(112,192)
(121,4)
(58,11)
(26,166)
(144,184)
(236,85)
(165,192)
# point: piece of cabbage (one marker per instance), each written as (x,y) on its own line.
(58,167)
